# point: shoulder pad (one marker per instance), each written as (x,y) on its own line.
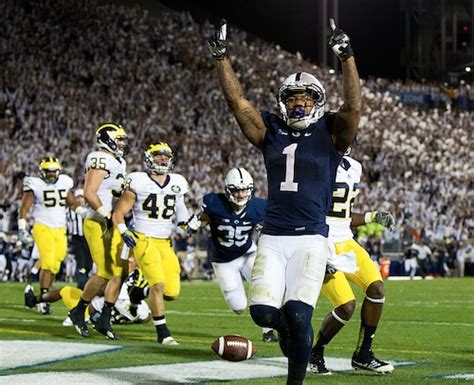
(180,181)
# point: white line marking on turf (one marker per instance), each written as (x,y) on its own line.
(465,376)
(17,354)
(191,372)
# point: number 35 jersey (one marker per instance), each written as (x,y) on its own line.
(158,207)
(345,191)
(49,199)
(111,187)
(231,233)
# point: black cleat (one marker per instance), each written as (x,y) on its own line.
(30,299)
(103,326)
(317,364)
(269,337)
(370,363)
(77,318)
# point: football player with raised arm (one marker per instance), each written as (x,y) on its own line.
(302,149)
(48,195)
(366,275)
(233,217)
(156,200)
(105,173)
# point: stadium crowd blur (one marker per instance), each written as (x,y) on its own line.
(68,67)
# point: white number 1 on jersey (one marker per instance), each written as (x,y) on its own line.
(289,184)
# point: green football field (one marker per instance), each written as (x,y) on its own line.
(427,331)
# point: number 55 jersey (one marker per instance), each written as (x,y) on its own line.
(49,199)
(158,207)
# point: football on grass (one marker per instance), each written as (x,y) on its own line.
(234,348)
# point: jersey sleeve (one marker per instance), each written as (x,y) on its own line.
(68,182)
(28,183)
(207,203)
(132,182)
(97,161)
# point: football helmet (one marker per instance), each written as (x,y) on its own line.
(49,169)
(238,179)
(163,166)
(301,82)
(107,136)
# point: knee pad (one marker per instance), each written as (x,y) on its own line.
(298,317)
(265,316)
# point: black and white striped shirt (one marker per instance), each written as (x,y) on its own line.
(74,223)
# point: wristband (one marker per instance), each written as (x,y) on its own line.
(122,228)
(80,210)
(21,224)
(369,216)
(103,212)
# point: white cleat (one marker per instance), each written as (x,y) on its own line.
(169,341)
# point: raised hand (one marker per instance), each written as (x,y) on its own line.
(218,41)
(340,42)
(385,218)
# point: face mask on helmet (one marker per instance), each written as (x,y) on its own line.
(49,169)
(159,164)
(301,82)
(238,186)
(112,138)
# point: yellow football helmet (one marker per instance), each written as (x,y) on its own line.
(49,169)
(163,166)
(108,135)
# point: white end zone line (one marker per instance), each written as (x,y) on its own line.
(31,353)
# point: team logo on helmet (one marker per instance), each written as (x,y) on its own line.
(301,82)
(49,169)
(236,181)
(162,165)
(108,136)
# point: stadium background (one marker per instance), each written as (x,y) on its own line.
(72,65)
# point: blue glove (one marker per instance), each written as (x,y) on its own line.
(129,238)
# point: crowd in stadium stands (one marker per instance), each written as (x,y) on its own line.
(67,68)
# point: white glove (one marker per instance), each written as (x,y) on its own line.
(218,41)
(340,42)
(193,224)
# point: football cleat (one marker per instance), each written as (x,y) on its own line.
(30,299)
(370,363)
(67,322)
(78,321)
(269,337)
(103,327)
(317,364)
(43,308)
(168,341)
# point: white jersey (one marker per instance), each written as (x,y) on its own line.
(111,187)
(49,206)
(345,191)
(158,208)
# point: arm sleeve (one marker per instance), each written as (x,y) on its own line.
(182,213)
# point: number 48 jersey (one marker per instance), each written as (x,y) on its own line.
(158,207)
(345,191)
(49,199)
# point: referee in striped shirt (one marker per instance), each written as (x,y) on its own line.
(78,242)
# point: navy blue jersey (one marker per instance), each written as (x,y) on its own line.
(231,233)
(301,172)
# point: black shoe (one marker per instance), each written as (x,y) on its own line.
(283,342)
(369,362)
(102,326)
(77,318)
(30,299)
(269,337)
(317,364)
